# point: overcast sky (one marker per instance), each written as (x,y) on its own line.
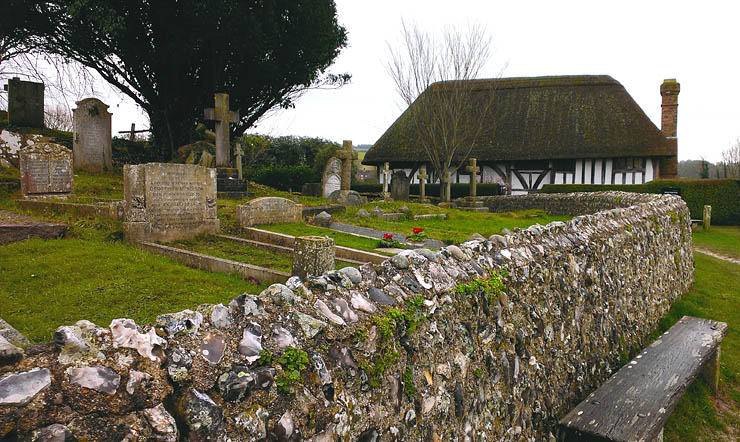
(639,43)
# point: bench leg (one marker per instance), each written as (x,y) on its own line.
(710,372)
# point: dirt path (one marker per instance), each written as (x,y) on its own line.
(716,255)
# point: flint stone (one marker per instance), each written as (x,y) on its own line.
(184,321)
(54,433)
(136,378)
(476,237)
(324,309)
(281,336)
(342,307)
(251,343)
(368,272)
(21,388)
(380,297)
(247,305)
(162,422)
(201,415)
(310,325)
(428,254)
(361,303)
(323,219)
(221,316)
(362,213)
(238,383)
(252,422)
(285,427)
(400,262)
(98,378)
(213,347)
(353,274)
(12,335)
(125,334)
(9,353)
(279,293)
(456,252)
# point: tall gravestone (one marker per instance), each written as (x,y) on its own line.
(168,202)
(25,103)
(46,171)
(92,136)
(400,186)
(331,180)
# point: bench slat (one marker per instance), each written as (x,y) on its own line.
(635,402)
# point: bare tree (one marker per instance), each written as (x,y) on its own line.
(731,160)
(432,76)
(58,117)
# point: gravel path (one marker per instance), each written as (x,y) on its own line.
(716,255)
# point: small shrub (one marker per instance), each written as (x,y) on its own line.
(293,362)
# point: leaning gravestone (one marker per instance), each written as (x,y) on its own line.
(400,186)
(92,136)
(268,210)
(168,202)
(46,171)
(332,178)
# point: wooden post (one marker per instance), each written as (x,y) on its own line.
(707,223)
(132,135)
(312,255)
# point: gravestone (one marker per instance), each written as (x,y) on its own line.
(92,136)
(331,180)
(422,184)
(473,169)
(221,114)
(168,202)
(386,172)
(268,210)
(25,103)
(46,171)
(400,186)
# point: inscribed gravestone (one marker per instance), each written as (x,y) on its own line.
(400,186)
(46,171)
(25,103)
(92,136)
(167,202)
(268,210)
(332,178)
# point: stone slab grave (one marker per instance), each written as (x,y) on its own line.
(92,136)
(168,202)
(46,171)
(14,227)
(268,210)
(331,180)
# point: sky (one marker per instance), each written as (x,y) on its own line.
(639,43)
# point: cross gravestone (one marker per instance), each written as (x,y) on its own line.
(25,103)
(473,169)
(92,148)
(400,186)
(168,202)
(221,114)
(422,184)
(386,172)
(46,171)
(446,186)
(346,155)
(331,180)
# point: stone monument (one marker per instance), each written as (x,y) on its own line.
(446,187)
(344,195)
(331,180)
(473,169)
(92,136)
(422,184)
(46,171)
(25,103)
(472,202)
(400,186)
(268,210)
(168,202)
(312,256)
(386,172)
(228,180)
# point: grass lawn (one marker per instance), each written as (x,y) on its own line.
(456,229)
(48,283)
(340,238)
(715,294)
(724,240)
(224,248)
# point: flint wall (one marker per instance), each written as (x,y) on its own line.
(443,366)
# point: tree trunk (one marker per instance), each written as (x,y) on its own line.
(169,132)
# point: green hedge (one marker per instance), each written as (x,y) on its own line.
(457,190)
(282,177)
(723,195)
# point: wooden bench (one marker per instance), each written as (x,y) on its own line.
(635,402)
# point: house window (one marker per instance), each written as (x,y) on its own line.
(564,165)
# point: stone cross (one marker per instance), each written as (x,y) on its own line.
(447,178)
(473,169)
(238,152)
(222,116)
(346,155)
(386,174)
(422,182)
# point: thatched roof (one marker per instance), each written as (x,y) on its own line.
(538,118)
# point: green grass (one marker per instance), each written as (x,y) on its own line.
(456,229)
(715,295)
(48,283)
(724,240)
(224,248)
(107,185)
(340,238)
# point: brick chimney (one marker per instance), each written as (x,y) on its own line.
(668,168)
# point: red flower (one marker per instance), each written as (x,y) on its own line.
(388,237)
(417,230)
